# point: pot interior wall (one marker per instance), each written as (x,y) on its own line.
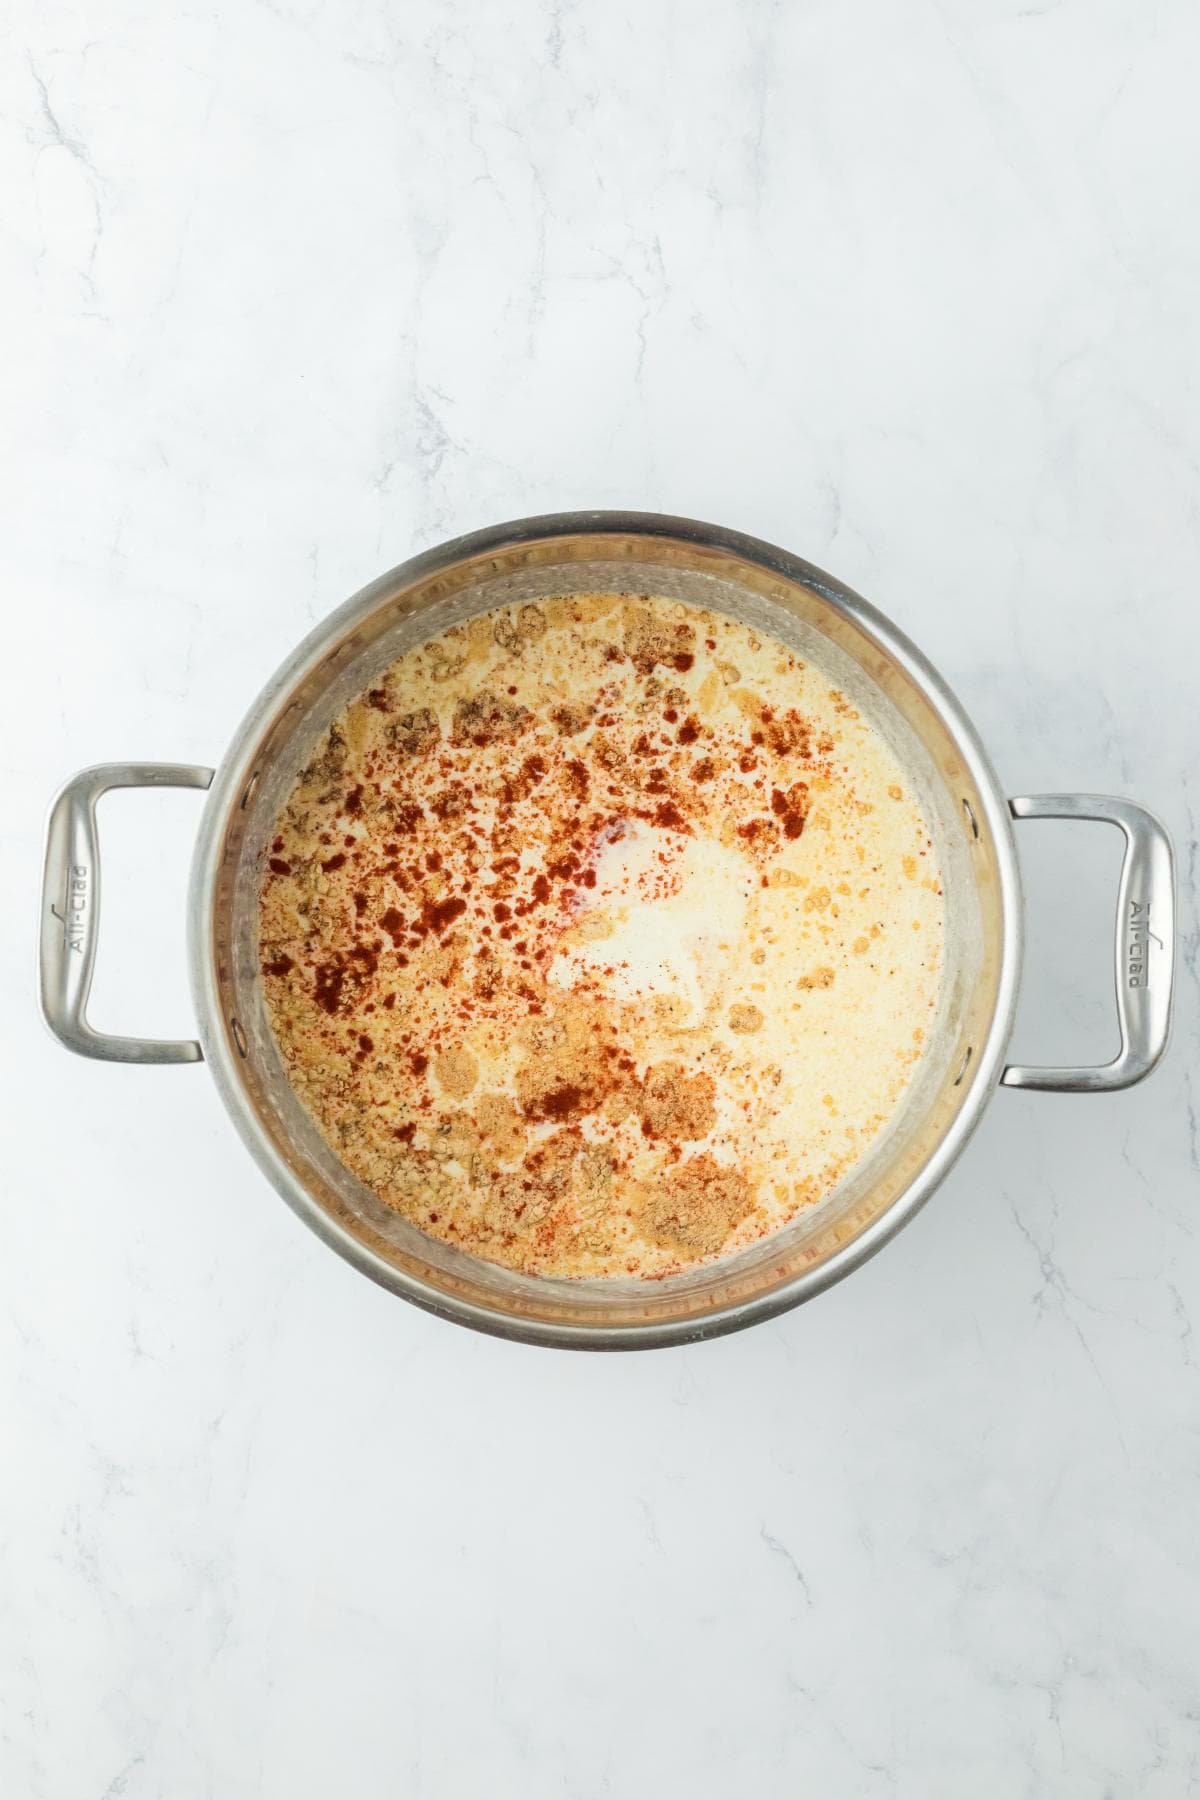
(389,620)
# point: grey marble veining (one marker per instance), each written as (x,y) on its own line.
(291,290)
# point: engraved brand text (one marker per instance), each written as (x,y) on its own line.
(74,913)
(1137,943)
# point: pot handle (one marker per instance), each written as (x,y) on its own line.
(1145,943)
(70,918)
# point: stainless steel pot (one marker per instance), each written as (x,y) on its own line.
(884,675)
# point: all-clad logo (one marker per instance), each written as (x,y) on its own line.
(1138,940)
(74,913)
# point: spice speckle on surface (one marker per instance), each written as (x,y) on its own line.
(525,997)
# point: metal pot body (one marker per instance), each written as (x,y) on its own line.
(883,675)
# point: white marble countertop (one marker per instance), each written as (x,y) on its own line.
(292,289)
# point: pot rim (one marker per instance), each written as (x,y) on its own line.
(236,769)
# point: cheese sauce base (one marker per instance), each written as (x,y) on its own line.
(601,936)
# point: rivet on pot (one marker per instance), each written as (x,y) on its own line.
(248,791)
(239,1037)
(966,1063)
(972,821)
